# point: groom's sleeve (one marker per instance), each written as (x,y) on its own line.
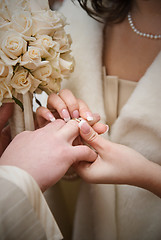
(24,213)
(17,217)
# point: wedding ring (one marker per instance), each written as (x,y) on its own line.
(78,120)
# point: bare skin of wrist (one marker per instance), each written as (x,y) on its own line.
(150,177)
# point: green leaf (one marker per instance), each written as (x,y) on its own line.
(18,102)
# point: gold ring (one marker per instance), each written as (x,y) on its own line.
(78,120)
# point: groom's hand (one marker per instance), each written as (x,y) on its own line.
(47,153)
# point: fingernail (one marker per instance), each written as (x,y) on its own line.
(50,117)
(84,127)
(75,114)
(107,129)
(89,116)
(65,115)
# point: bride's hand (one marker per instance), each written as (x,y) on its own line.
(115,163)
(65,105)
(6,112)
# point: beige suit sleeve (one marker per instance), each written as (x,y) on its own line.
(23,208)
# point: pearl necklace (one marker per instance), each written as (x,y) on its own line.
(146,35)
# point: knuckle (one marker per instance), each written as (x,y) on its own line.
(58,123)
(82,103)
(73,126)
(41,110)
(61,92)
(72,105)
(74,123)
(52,95)
(80,100)
(51,98)
(70,100)
(64,92)
(92,137)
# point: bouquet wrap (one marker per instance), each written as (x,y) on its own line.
(22,120)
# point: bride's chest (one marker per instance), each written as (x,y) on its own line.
(126,54)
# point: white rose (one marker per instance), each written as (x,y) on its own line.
(32,58)
(4,11)
(64,40)
(7,60)
(33,53)
(46,22)
(4,25)
(43,73)
(13,45)
(23,81)
(22,22)
(56,72)
(44,43)
(4,70)
(53,52)
(38,5)
(20,81)
(7,7)
(35,83)
(66,66)
(5,91)
(53,85)
(62,65)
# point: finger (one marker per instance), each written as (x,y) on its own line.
(90,171)
(6,111)
(55,102)
(84,111)
(84,169)
(100,128)
(91,137)
(71,102)
(70,131)
(84,153)
(96,118)
(55,126)
(43,116)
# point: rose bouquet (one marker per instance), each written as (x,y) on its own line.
(35,55)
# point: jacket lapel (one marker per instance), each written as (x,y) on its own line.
(141,114)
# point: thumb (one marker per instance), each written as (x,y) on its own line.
(91,137)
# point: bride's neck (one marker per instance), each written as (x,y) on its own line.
(147,7)
(146,15)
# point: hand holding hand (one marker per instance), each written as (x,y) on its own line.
(47,153)
(115,164)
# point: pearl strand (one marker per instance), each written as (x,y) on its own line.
(146,35)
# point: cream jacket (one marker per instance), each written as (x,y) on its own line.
(24,213)
(108,212)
